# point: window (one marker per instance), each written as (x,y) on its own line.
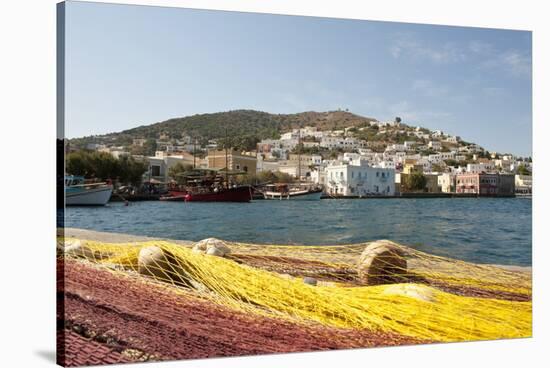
(377,175)
(352,174)
(245,168)
(155,170)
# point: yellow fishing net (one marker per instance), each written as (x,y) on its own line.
(432,298)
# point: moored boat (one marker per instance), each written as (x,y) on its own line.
(201,185)
(79,193)
(288,192)
(233,194)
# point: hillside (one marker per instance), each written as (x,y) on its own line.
(248,125)
(245,128)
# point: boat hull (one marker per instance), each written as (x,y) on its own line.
(89,197)
(306,196)
(238,194)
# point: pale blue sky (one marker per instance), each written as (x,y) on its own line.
(136,65)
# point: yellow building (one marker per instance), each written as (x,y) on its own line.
(236,161)
(410,166)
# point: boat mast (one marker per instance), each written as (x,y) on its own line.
(194,153)
(226,161)
(299,158)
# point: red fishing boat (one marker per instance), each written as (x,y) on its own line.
(208,186)
(235,194)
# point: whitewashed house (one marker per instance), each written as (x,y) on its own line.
(316,160)
(396,147)
(357,178)
(524,184)
(332,142)
(435,145)
(447,155)
(480,167)
(435,158)
(409,144)
(446,182)
(452,139)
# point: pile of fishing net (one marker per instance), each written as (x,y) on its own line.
(381,287)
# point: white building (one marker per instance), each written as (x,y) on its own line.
(409,144)
(435,145)
(316,160)
(452,139)
(447,155)
(332,142)
(308,144)
(474,148)
(396,147)
(318,176)
(446,182)
(422,135)
(435,158)
(267,164)
(480,167)
(95,146)
(289,135)
(160,164)
(426,164)
(524,184)
(357,178)
(504,164)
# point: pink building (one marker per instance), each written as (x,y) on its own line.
(485,184)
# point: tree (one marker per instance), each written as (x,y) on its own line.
(78,163)
(265,177)
(150,147)
(413,182)
(333,154)
(523,170)
(131,171)
(397,119)
(451,162)
(103,166)
(175,171)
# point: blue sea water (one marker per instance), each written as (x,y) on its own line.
(483,230)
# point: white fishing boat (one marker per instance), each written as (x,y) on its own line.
(79,193)
(288,192)
(298,191)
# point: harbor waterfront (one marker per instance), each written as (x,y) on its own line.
(480,230)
